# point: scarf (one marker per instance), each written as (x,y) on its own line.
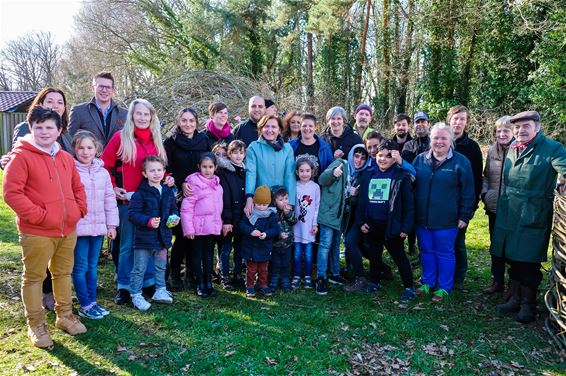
(144,135)
(186,143)
(257,214)
(521,146)
(218,133)
(277,145)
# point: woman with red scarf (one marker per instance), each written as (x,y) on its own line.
(217,128)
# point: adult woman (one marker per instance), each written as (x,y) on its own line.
(309,143)
(183,149)
(269,161)
(444,197)
(291,125)
(338,134)
(217,128)
(491,189)
(123,156)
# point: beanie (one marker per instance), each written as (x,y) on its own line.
(363,106)
(262,195)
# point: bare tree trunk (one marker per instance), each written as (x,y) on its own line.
(386,60)
(310,81)
(362,61)
(406,64)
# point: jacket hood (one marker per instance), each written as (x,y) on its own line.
(27,143)
(352,170)
(226,164)
(198,179)
(96,165)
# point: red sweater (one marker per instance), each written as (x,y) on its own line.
(45,191)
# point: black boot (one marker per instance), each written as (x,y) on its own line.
(528,311)
(209,289)
(175,282)
(514,303)
(201,288)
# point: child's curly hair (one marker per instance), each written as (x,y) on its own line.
(309,160)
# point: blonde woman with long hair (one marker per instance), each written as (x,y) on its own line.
(123,156)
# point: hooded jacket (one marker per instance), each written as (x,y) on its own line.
(101,200)
(44,190)
(344,142)
(201,212)
(332,195)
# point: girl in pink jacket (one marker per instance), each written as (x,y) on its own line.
(100,220)
(201,218)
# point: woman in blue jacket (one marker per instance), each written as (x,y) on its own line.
(444,197)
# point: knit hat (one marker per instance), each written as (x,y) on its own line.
(262,195)
(363,106)
(269,103)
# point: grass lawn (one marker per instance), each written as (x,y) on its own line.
(295,333)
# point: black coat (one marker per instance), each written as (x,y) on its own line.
(255,249)
(471,150)
(212,140)
(183,154)
(414,147)
(345,142)
(246,131)
(232,180)
(146,204)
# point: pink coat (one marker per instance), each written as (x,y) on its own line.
(201,212)
(101,200)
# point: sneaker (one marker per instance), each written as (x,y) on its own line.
(423,290)
(408,295)
(308,283)
(358,284)
(70,324)
(140,303)
(202,291)
(92,313)
(39,336)
(440,295)
(122,297)
(267,291)
(296,283)
(48,301)
(162,296)
(103,311)
(370,287)
(226,285)
(321,286)
(337,280)
(250,291)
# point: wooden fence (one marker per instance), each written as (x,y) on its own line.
(8,120)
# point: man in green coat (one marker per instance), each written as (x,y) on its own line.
(524,210)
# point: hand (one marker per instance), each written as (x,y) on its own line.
(561,185)
(364,228)
(402,235)
(287,209)
(284,235)
(120,192)
(314,229)
(338,171)
(190,236)
(461,224)
(397,157)
(249,206)
(263,235)
(111,233)
(226,229)
(338,154)
(4,161)
(187,190)
(155,221)
(169,181)
(256,233)
(354,190)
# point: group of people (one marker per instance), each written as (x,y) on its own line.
(272,193)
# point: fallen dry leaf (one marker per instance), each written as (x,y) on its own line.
(270,361)
(230,353)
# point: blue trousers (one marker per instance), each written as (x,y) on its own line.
(437,256)
(142,258)
(85,269)
(302,251)
(232,240)
(328,251)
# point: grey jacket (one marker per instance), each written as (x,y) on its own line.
(86,116)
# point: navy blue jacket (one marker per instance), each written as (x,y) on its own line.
(401,215)
(255,249)
(325,155)
(443,194)
(145,204)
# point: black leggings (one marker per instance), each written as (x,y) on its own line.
(203,248)
(180,251)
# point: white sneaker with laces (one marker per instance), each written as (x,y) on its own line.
(140,303)
(162,296)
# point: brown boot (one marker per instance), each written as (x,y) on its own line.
(528,311)
(39,336)
(359,283)
(514,303)
(71,324)
(495,287)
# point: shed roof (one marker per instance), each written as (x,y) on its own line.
(16,101)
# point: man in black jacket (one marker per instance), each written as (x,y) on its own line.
(247,129)
(458,119)
(421,142)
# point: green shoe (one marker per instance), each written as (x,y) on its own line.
(440,295)
(423,290)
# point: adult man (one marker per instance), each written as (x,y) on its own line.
(524,210)
(458,119)
(102,115)
(421,142)
(363,116)
(401,123)
(247,129)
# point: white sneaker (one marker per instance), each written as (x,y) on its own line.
(140,303)
(162,296)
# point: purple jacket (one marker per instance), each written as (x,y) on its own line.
(201,212)
(101,200)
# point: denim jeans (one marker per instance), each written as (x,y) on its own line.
(142,258)
(232,240)
(437,256)
(461,256)
(126,258)
(302,251)
(328,251)
(85,269)
(281,262)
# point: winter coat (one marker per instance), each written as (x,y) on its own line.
(183,154)
(354,179)
(332,195)
(401,145)
(45,191)
(286,223)
(265,166)
(401,215)
(414,147)
(146,204)
(87,116)
(471,150)
(366,132)
(491,180)
(101,200)
(524,210)
(443,194)
(255,249)
(344,142)
(65,140)
(213,140)
(246,131)
(325,156)
(232,180)
(201,212)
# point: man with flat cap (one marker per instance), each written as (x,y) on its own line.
(524,210)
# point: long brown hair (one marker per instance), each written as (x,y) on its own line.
(40,98)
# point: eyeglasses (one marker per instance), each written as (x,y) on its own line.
(104,87)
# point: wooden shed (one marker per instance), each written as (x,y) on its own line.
(13,110)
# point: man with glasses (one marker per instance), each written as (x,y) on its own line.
(102,115)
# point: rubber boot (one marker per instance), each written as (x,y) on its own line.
(514,303)
(528,311)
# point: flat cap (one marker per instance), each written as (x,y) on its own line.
(526,115)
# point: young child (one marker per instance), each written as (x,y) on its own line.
(220,150)
(282,246)
(100,220)
(153,212)
(306,210)
(385,215)
(201,218)
(45,191)
(232,173)
(259,230)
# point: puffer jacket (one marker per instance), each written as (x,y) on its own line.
(256,249)
(491,180)
(101,200)
(201,212)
